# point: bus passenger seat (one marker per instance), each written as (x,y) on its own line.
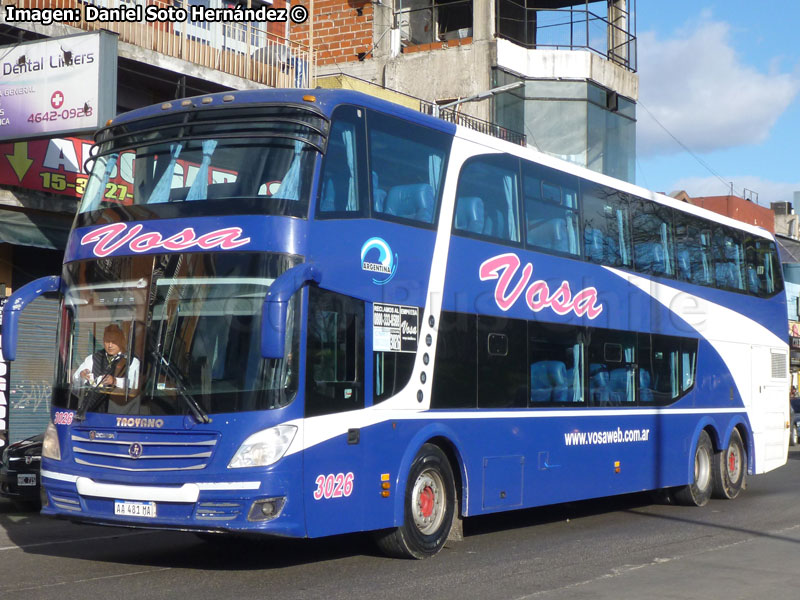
(645,391)
(598,384)
(378,195)
(413,201)
(619,392)
(327,202)
(593,238)
(469,214)
(555,235)
(753,283)
(684,265)
(548,382)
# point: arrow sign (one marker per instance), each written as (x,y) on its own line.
(19,160)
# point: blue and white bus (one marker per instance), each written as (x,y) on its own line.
(331,314)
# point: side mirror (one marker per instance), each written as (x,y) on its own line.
(276,305)
(14,306)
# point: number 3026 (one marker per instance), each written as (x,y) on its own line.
(333,486)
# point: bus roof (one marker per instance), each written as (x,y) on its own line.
(324,100)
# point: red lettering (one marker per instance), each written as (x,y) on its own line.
(110,238)
(226,239)
(504,267)
(146,242)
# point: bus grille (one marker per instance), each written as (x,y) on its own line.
(142,452)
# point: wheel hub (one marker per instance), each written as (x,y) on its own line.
(426,500)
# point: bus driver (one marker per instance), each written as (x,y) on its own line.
(106,368)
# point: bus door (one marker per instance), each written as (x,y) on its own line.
(334,389)
(770,405)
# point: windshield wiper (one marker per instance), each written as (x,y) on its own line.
(180,386)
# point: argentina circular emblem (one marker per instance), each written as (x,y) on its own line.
(377,258)
(135,450)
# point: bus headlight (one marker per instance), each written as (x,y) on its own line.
(50,446)
(264,447)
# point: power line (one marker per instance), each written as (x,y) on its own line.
(704,164)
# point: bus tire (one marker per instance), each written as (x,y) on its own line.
(698,492)
(429,507)
(730,469)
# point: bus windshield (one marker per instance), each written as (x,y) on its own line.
(172,334)
(249,160)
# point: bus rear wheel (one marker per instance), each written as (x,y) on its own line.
(698,492)
(730,469)
(429,508)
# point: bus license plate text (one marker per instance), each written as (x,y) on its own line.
(135,509)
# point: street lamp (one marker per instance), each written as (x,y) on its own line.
(479,96)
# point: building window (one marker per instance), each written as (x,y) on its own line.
(430,21)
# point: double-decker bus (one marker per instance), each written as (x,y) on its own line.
(305,313)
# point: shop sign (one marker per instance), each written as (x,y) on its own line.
(52,87)
(54,165)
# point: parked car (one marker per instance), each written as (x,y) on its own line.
(19,473)
(794,420)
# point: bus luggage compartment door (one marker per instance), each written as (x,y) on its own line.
(502,481)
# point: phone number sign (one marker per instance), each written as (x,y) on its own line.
(394,328)
(54,165)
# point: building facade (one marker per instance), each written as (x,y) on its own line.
(574,61)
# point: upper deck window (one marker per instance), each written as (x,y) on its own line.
(606,226)
(552,221)
(486,200)
(407,165)
(241,160)
(394,172)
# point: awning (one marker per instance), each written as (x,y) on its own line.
(34,229)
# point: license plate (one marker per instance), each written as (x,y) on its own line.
(135,509)
(26,479)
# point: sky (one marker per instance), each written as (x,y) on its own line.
(719,97)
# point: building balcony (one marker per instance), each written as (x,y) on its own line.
(245,50)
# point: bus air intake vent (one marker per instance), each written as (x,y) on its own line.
(778,365)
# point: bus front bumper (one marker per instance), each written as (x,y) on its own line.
(244,505)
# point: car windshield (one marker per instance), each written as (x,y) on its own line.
(251,160)
(172,334)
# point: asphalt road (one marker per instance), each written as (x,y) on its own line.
(627,547)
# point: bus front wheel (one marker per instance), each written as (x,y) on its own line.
(730,469)
(429,507)
(699,490)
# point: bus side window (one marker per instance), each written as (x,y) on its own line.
(612,368)
(761,266)
(407,165)
(652,239)
(728,259)
(666,368)
(342,192)
(455,380)
(502,361)
(551,210)
(555,357)
(606,226)
(487,197)
(335,353)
